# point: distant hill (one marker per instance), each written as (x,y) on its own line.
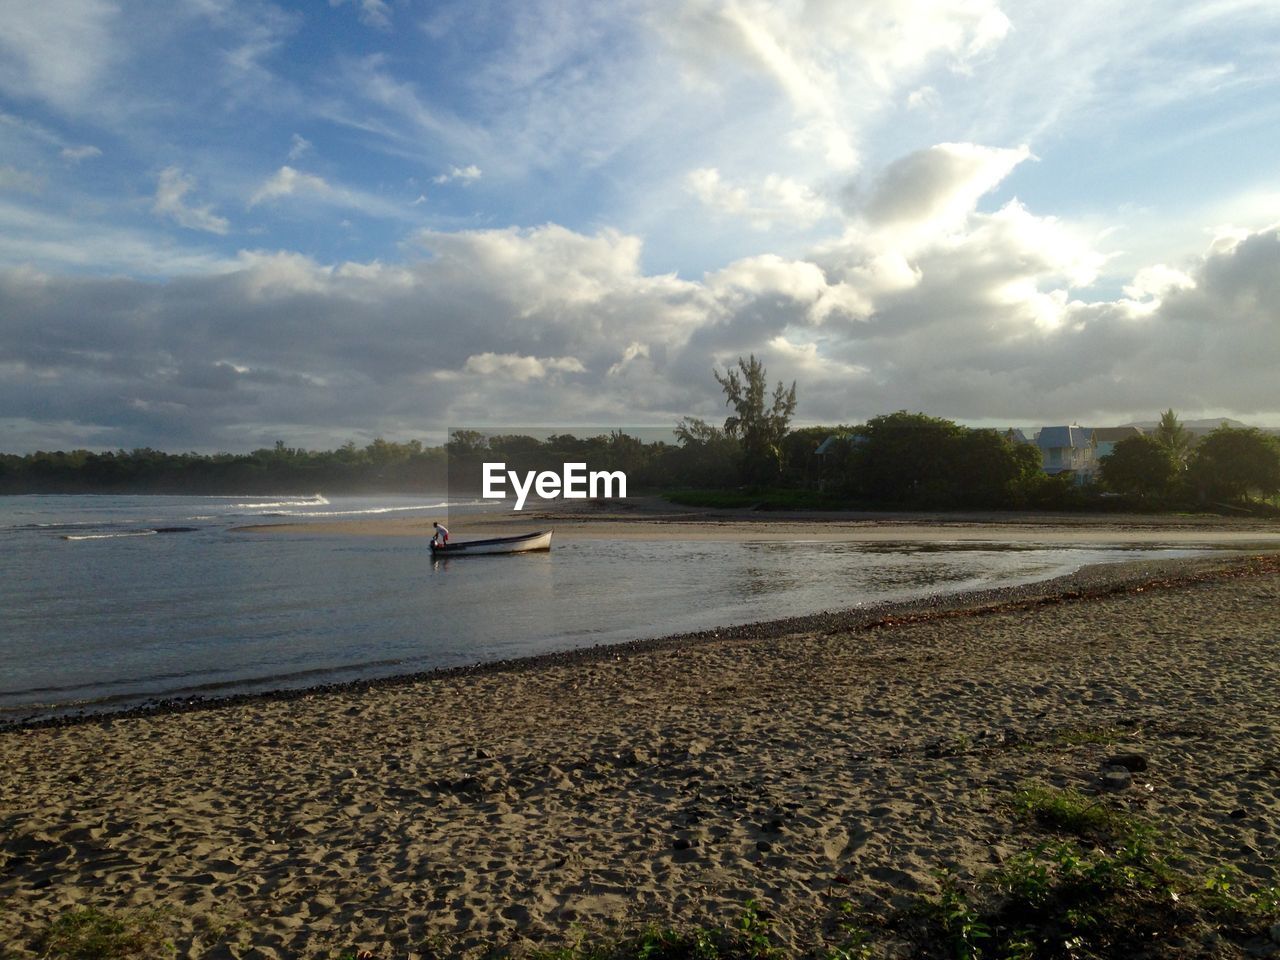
(1203,426)
(1208,423)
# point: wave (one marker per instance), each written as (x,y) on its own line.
(315,501)
(358,513)
(109,536)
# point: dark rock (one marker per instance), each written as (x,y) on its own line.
(764,846)
(1133,762)
(1238,813)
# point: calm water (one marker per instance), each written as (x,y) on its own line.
(96,609)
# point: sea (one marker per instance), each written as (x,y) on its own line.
(108,602)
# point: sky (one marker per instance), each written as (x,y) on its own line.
(228,222)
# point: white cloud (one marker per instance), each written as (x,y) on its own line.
(373,13)
(774,201)
(923,98)
(835,64)
(707,185)
(77,154)
(288,182)
(515,367)
(467,174)
(57,50)
(931,189)
(11,178)
(298,146)
(635,350)
(172,188)
(30,236)
(1156,281)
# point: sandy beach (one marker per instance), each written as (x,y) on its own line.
(670,783)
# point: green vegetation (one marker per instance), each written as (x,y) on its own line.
(911,460)
(748,939)
(1167,468)
(1174,437)
(1101,886)
(97,935)
(1079,736)
(759,428)
(1141,466)
(1233,464)
(379,466)
(1069,811)
(895,461)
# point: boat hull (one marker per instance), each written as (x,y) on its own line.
(527,543)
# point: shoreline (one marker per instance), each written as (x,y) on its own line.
(804,765)
(651,518)
(1091,582)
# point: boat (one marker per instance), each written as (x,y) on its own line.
(525,543)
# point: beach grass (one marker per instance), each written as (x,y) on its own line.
(748,939)
(93,934)
(1102,886)
(1071,812)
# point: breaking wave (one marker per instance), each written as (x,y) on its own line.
(359,513)
(109,536)
(315,501)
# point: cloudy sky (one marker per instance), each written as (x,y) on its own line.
(224,222)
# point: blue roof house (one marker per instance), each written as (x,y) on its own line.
(1066,448)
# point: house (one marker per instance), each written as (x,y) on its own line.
(833,455)
(1014,435)
(1068,448)
(830,445)
(1106,438)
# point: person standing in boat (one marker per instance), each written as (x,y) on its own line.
(441,535)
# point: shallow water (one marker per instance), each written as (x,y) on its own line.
(110,601)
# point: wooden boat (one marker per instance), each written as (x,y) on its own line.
(525,543)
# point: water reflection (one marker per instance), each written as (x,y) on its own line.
(139,617)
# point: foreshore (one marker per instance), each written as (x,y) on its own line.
(802,765)
(651,518)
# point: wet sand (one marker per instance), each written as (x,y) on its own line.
(641,518)
(665,782)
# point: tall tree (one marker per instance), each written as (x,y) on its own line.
(1174,437)
(705,457)
(1142,465)
(759,424)
(908,458)
(1233,463)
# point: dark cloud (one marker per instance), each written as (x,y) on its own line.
(286,347)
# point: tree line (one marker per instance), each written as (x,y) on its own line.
(1168,466)
(896,461)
